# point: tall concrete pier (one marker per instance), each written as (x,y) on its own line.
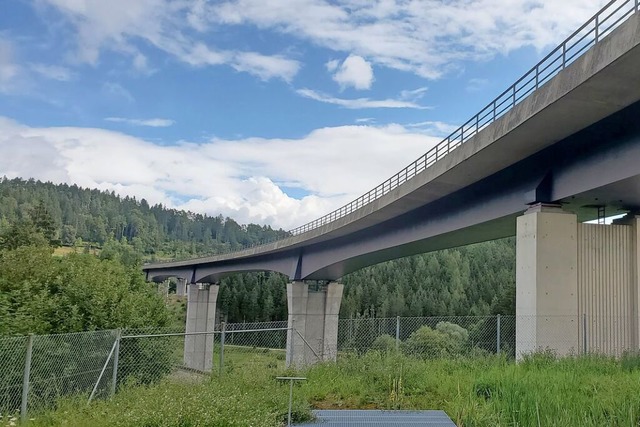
(201,317)
(313,323)
(576,283)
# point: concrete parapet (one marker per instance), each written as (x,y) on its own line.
(313,323)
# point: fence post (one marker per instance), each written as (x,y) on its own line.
(397,333)
(498,334)
(222,335)
(25,379)
(116,354)
(584,333)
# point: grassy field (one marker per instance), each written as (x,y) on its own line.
(541,391)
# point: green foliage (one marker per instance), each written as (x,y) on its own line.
(97,216)
(44,294)
(384,343)
(475,280)
(429,343)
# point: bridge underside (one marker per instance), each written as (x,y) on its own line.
(595,168)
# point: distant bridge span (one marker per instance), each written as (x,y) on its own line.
(571,138)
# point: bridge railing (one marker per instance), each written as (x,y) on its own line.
(589,34)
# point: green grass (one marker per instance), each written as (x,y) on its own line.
(540,391)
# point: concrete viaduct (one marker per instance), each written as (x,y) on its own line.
(558,148)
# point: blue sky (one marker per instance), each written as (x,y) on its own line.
(268,111)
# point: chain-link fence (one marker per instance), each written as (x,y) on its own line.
(429,336)
(35,371)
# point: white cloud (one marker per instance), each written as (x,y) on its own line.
(265,67)
(8,68)
(359,103)
(354,72)
(53,72)
(425,37)
(476,84)
(413,95)
(433,127)
(238,178)
(154,123)
(117,25)
(332,65)
(116,90)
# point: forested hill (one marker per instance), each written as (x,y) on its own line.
(473,280)
(93,217)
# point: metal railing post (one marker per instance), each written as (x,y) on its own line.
(498,334)
(397,333)
(116,354)
(25,379)
(222,336)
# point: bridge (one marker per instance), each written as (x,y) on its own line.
(558,148)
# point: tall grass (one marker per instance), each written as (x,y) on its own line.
(539,391)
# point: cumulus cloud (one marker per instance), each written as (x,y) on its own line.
(242,178)
(425,37)
(358,103)
(354,72)
(154,123)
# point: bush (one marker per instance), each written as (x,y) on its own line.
(428,343)
(384,343)
(458,335)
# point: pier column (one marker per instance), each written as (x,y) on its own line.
(201,317)
(314,315)
(181,287)
(576,284)
(546,281)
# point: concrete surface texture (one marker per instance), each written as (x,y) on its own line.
(313,323)
(201,316)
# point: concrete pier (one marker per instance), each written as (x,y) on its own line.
(314,316)
(181,287)
(201,317)
(576,284)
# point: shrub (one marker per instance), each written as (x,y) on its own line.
(384,343)
(458,335)
(428,343)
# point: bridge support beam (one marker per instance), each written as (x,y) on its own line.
(313,323)
(576,284)
(201,317)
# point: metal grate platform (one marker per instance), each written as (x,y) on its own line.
(345,418)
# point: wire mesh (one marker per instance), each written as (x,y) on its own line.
(149,354)
(262,344)
(12,363)
(69,364)
(429,337)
